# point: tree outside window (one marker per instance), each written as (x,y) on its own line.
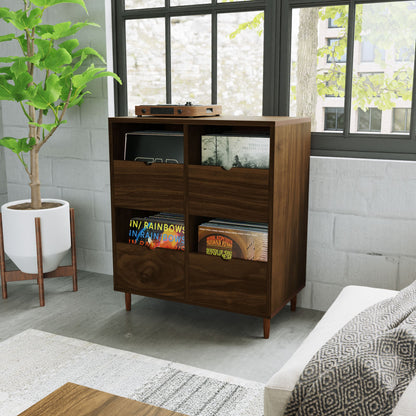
(380,80)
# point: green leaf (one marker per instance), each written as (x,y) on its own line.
(6,89)
(21,90)
(6,38)
(48,127)
(4,13)
(42,29)
(81,80)
(56,59)
(43,47)
(43,97)
(69,44)
(49,3)
(18,145)
(23,44)
(85,52)
(77,99)
(18,67)
(34,18)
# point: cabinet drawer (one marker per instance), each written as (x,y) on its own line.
(156,187)
(235,285)
(158,272)
(239,193)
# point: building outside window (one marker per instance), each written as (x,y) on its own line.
(334,118)
(401,120)
(369,120)
(369,52)
(336,51)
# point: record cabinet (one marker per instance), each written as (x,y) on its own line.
(277,196)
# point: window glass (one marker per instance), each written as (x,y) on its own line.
(317,81)
(334,118)
(143,4)
(187,2)
(191,59)
(146,66)
(336,50)
(401,120)
(369,120)
(382,64)
(333,22)
(240,63)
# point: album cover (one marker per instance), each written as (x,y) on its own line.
(230,151)
(233,241)
(158,231)
(154,146)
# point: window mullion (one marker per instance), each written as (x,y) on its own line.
(168,46)
(413,109)
(214,57)
(349,68)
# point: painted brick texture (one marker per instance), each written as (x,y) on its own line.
(362,226)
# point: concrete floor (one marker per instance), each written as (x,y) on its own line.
(214,340)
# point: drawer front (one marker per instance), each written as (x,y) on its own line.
(158,272)
(157,187)
(234,285)
(241,194)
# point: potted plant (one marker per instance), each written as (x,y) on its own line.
(49,77)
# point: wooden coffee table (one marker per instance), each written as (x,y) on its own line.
(75,400)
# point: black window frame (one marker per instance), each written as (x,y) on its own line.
(276,72)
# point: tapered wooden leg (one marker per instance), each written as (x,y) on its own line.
(266,328)
(293,304)
(40,262)
(2,263)
(128,301)
(73,252)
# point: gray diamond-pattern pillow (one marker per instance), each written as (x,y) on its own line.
(367,365)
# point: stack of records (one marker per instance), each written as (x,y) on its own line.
(234,239)
(163,230)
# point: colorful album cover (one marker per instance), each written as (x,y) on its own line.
(232,241)
(230,151)
(157,232)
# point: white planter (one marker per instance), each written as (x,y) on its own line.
(20,236)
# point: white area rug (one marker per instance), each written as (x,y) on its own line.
(35,363)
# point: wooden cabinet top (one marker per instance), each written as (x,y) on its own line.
(217,120)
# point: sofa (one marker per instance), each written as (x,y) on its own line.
(351,301)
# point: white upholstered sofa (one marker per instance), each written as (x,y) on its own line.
(351,301)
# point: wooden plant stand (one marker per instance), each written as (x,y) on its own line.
(17,275)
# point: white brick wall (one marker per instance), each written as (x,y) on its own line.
(3,177)
(362,227)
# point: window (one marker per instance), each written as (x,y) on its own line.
(401,120)
(333,21)
(335,50)
(369,120)
(334,118)
(370,53)
(357,88)
(191,51)
(405,54)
